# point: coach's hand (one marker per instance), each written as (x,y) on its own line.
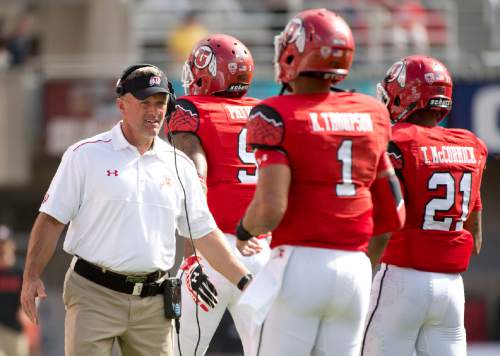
(32,288)
(199,286)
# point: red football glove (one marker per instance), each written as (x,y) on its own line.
(199,286)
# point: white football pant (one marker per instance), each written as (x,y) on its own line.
(321,307)
(227,295)
(413,310)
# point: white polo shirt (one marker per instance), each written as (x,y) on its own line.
(124,207)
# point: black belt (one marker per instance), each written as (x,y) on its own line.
(143,286)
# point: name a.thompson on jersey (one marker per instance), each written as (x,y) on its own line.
(341,121)
(448,154)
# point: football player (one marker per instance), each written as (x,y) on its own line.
(209,126)
(323,171)
(417,300)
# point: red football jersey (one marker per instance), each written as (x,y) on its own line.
(334,143)
(440,170)
(219,123)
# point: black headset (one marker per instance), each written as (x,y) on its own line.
(129,70)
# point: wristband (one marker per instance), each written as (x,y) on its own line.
(242,233)
(266,157)
(244,281)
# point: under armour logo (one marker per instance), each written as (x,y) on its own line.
(110,172)
(194,277)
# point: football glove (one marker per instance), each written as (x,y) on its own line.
(199,286)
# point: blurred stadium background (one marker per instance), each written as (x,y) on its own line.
(59,61)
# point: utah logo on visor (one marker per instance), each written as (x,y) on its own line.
(203,57)
(394,71)
(154,81)
(294,32)
(397,71)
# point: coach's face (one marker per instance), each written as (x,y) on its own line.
(142,119)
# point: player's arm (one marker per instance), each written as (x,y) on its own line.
(182,128)
(388,213)
(267,208)
(42,244)
(388,206)
(215,249)
(376,247)
(474,225)
(270,201)
(191,146)
(183,124)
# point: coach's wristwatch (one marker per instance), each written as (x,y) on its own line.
(244,281)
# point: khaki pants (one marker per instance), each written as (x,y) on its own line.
(95,315)
(13,343)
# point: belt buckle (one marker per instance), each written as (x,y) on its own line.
(137,289)
(138,282)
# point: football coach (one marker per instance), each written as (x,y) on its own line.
(124,194)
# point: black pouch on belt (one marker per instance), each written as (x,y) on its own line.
(172,297)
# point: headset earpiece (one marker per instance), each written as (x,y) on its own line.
(171,100)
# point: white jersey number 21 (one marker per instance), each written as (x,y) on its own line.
(447,202)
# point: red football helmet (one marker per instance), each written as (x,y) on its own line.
(314,41)
(218,64)
(413,83)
